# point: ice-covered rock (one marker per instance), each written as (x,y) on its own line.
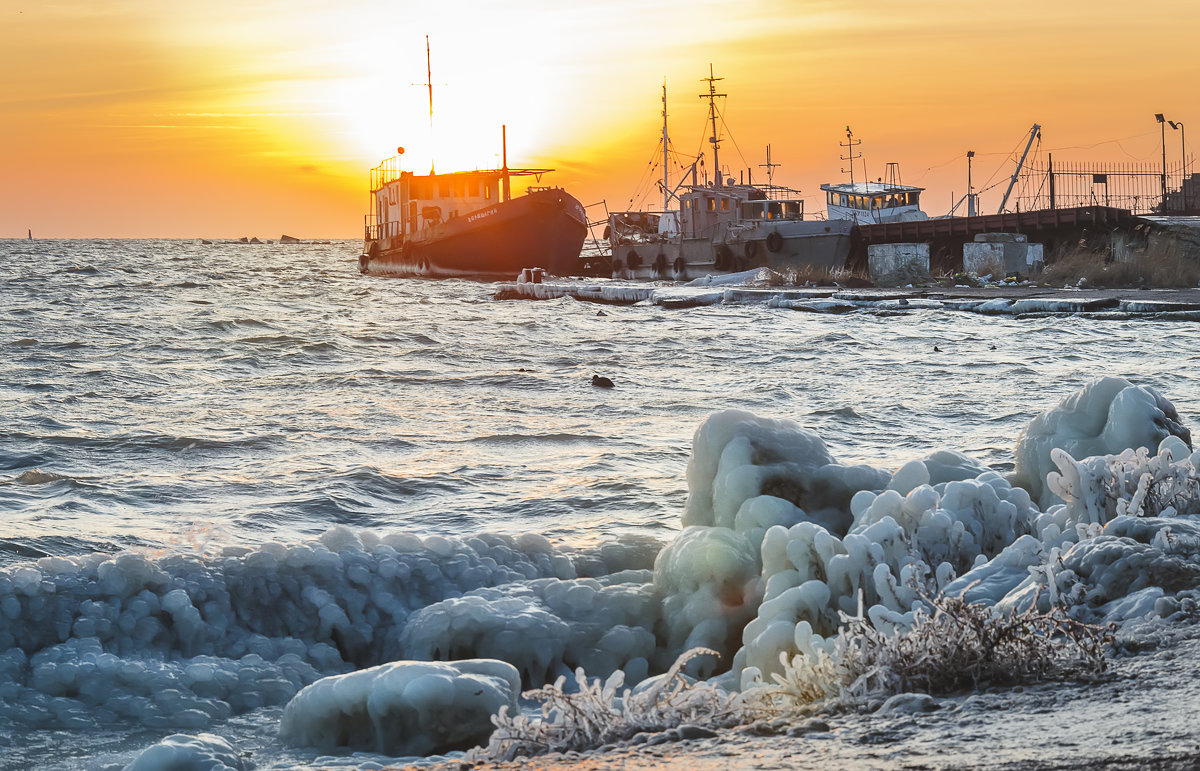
(1105,417)
(544,627)
(402,708)
(738,456)
(181,752)
(708,579)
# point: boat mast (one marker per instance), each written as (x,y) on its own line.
(507,186)
(666,160)
(711,96)
(429,85)
(770,167)
(850,144)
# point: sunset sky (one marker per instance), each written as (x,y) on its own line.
(221,119)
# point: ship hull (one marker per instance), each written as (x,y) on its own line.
(543,229)
(812,244)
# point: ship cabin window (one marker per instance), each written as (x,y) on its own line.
(724,204)
(712,204)
(843,199)
(443,188)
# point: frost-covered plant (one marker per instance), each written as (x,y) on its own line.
(808,678)
(959,644)
(602,713)
(1133,483)
(963,644)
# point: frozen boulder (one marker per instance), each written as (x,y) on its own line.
(402,708)
(708,578)
(179,752)
(738,456)
(1105,417)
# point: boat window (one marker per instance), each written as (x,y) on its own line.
(487,192)
(444,189)
(712,204)
(793,209)
(724,204)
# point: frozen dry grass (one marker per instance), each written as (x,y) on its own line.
(1170,267)
(603,713)
(819,276)
(955,646)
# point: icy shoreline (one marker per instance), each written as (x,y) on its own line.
(811,584)
(748,289)
(1139,715)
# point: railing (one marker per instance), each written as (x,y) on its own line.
(377,231)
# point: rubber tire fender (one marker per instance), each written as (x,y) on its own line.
(724,260)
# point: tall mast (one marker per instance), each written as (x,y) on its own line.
(770,167)
(711,96)
(429,84)
(850,144)
(666,180)
(507,187)
(429,81)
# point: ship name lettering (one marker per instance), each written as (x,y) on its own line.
(481,214)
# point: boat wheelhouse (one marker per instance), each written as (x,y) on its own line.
(869,203)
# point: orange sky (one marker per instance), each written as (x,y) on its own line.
(221,119)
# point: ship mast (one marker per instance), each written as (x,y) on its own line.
(666,181)
(429,85)
(711,96)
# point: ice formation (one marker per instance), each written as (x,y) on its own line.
(183,641)
(1107,417)
(402,708)
(180,752)
(545,627)
(780,544)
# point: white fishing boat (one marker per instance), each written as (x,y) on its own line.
(871,203)
(722,224)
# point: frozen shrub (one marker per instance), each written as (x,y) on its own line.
(1133,483)
(602,713)
(958,645)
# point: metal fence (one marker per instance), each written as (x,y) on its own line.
(1138,187)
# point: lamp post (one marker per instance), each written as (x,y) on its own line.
(1178,124)
(1162,122)
(970,197)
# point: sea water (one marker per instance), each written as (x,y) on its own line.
(163,397)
